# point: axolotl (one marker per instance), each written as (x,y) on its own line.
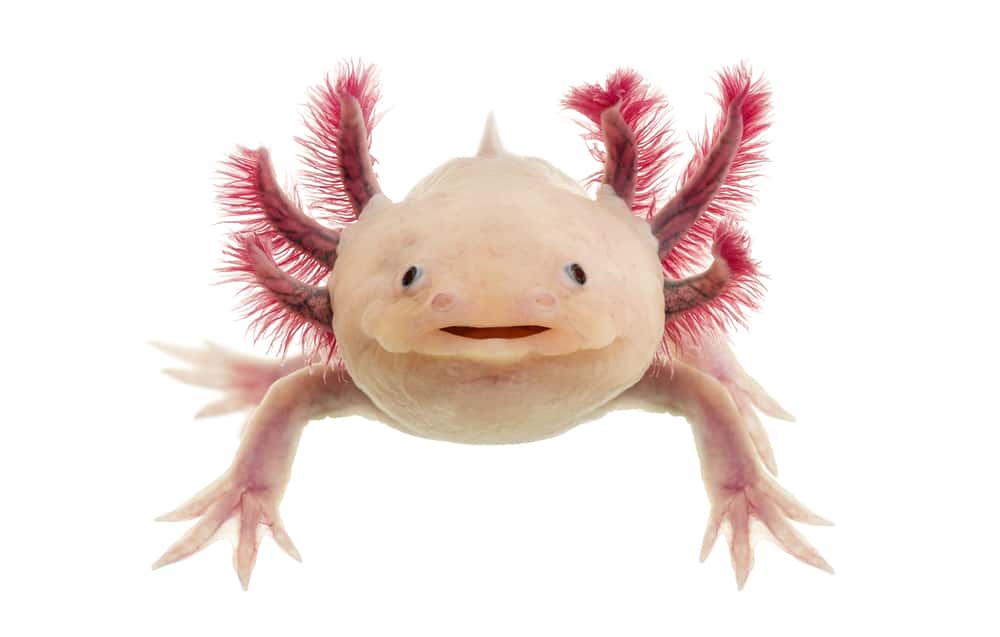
(500,301)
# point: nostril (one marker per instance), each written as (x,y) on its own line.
(442,301)
(545,300)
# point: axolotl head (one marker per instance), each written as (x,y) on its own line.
(499,301)
(496,289)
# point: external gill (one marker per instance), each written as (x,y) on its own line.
(280,305)
(687,294)
(673,221)
(718,296)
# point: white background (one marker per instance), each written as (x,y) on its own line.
(876,222)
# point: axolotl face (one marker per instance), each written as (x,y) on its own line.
(497,302)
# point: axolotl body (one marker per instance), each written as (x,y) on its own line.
(498,302)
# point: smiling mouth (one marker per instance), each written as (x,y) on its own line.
(508,332)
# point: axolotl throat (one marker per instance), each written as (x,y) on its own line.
(498,302)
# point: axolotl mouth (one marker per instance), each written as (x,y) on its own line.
(505,332)
(472,339)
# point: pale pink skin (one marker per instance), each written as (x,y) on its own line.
(493,259)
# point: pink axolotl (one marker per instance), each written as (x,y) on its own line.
(498,302)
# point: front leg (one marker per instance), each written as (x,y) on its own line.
(739,489)
(250,491)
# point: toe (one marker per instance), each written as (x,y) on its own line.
(767,404)
(199,377)
(739,546)
(281,537)
(711,532)
(790,506)
(186,354)
(226,405)
(245,556)
(787,537)
(197,505)
(200,534)
(758,435)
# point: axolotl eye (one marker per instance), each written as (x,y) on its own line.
(576,273)
(411,275)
